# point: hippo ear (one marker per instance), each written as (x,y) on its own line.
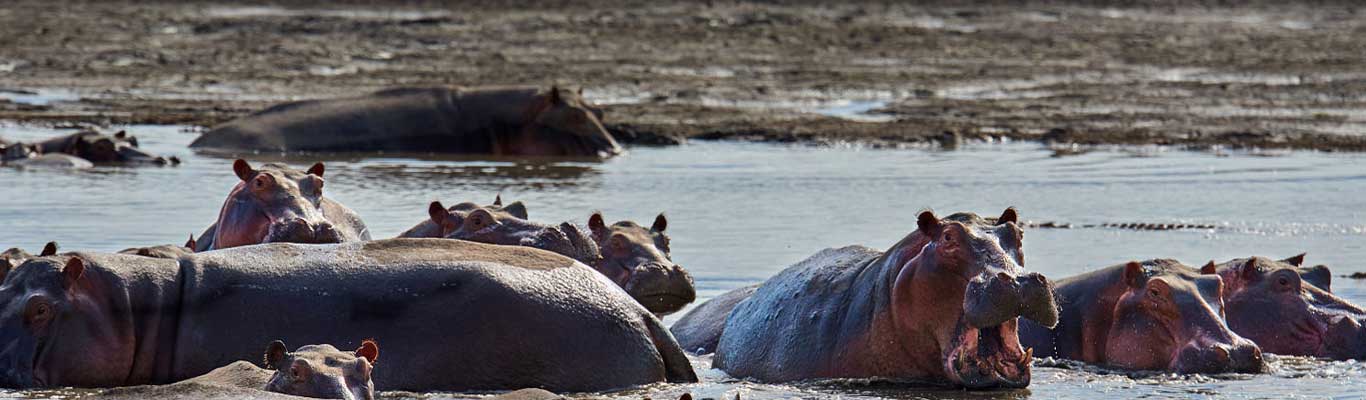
(369,350)
(1209,268)
(72,272)
(928,223)
(1133,274)
(1009,215)
(555,95)
(498,199)
(661,223)
(191,243)
(580,91)
(1319,276)
(438,212)
(1297,260)
(517,209)
(275,353)
(317,169)
(49,249)
(5,267)
(242,169)
(1248,269)
(597,226)
(121,135)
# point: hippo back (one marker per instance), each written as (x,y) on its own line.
(452,315)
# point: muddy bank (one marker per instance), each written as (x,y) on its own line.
(1268,75)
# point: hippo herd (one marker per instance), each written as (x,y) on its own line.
(80,150)
(481,297)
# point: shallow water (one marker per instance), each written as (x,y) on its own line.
(741,212)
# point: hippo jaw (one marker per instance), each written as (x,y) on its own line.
(663,288)
(988,357)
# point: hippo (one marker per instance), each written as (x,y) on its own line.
(163,251)
(102,148)
(520,121)
(28,156)
(15,257)
(461,316)
(317,371)
(277,203)
(454,216)
(637,260)
(1155,315)
(1275,304)
(940,306)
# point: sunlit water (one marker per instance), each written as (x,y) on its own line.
(739,213)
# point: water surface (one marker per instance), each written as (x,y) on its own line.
(740,212)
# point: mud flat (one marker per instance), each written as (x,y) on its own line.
(1265,75)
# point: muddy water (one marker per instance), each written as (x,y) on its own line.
(741,212)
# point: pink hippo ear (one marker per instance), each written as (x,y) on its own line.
(438,212)
(928,223)
(72,272)
(275,353)
(597,226)
(1209,268)
(661,223)
(1297,260)
(191,243)
(49,249)
(242,169)
(1009,215)
(369,350)
(317,169)
(1248,270)
(498,199)
(1133,274)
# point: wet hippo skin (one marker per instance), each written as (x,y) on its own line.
(457,315)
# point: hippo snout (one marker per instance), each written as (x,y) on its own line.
(300,231)
(1201,357)
(663,288)
(993,299)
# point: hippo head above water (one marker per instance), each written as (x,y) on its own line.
(964,278)
(14,257)
(638,260)
(1282,308)
(119,147)
(322,371)
(275,203)
(562,123)
(451,219)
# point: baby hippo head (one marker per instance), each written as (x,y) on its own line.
(322,371)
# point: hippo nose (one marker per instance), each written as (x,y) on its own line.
(1200,356)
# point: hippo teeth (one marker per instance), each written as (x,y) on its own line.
(1028,354)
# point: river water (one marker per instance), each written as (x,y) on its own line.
(740,212)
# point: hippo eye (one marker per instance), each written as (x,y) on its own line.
(1154,292)
(1283,281)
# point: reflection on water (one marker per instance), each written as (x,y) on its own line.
(741,212)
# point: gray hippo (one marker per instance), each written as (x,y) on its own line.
(700,330)
(163,251)
(457,315)
(632,257)
(451,218)
(496,121)
(1154,315)
(28,156)
(15,257)
(940,306)
(98,147)
(1286,309)
(277,203)
(316,371)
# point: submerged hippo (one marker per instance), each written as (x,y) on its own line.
(700,330)
(1270,303)
(28,156)
(453,217)
(457,315)
(15,257)
(939,306)
(163,251)
(633,258)
(498,121)
(277,203)
(317,371)
(102,148)
(1155,315)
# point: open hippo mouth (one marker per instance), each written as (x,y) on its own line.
(989,357)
